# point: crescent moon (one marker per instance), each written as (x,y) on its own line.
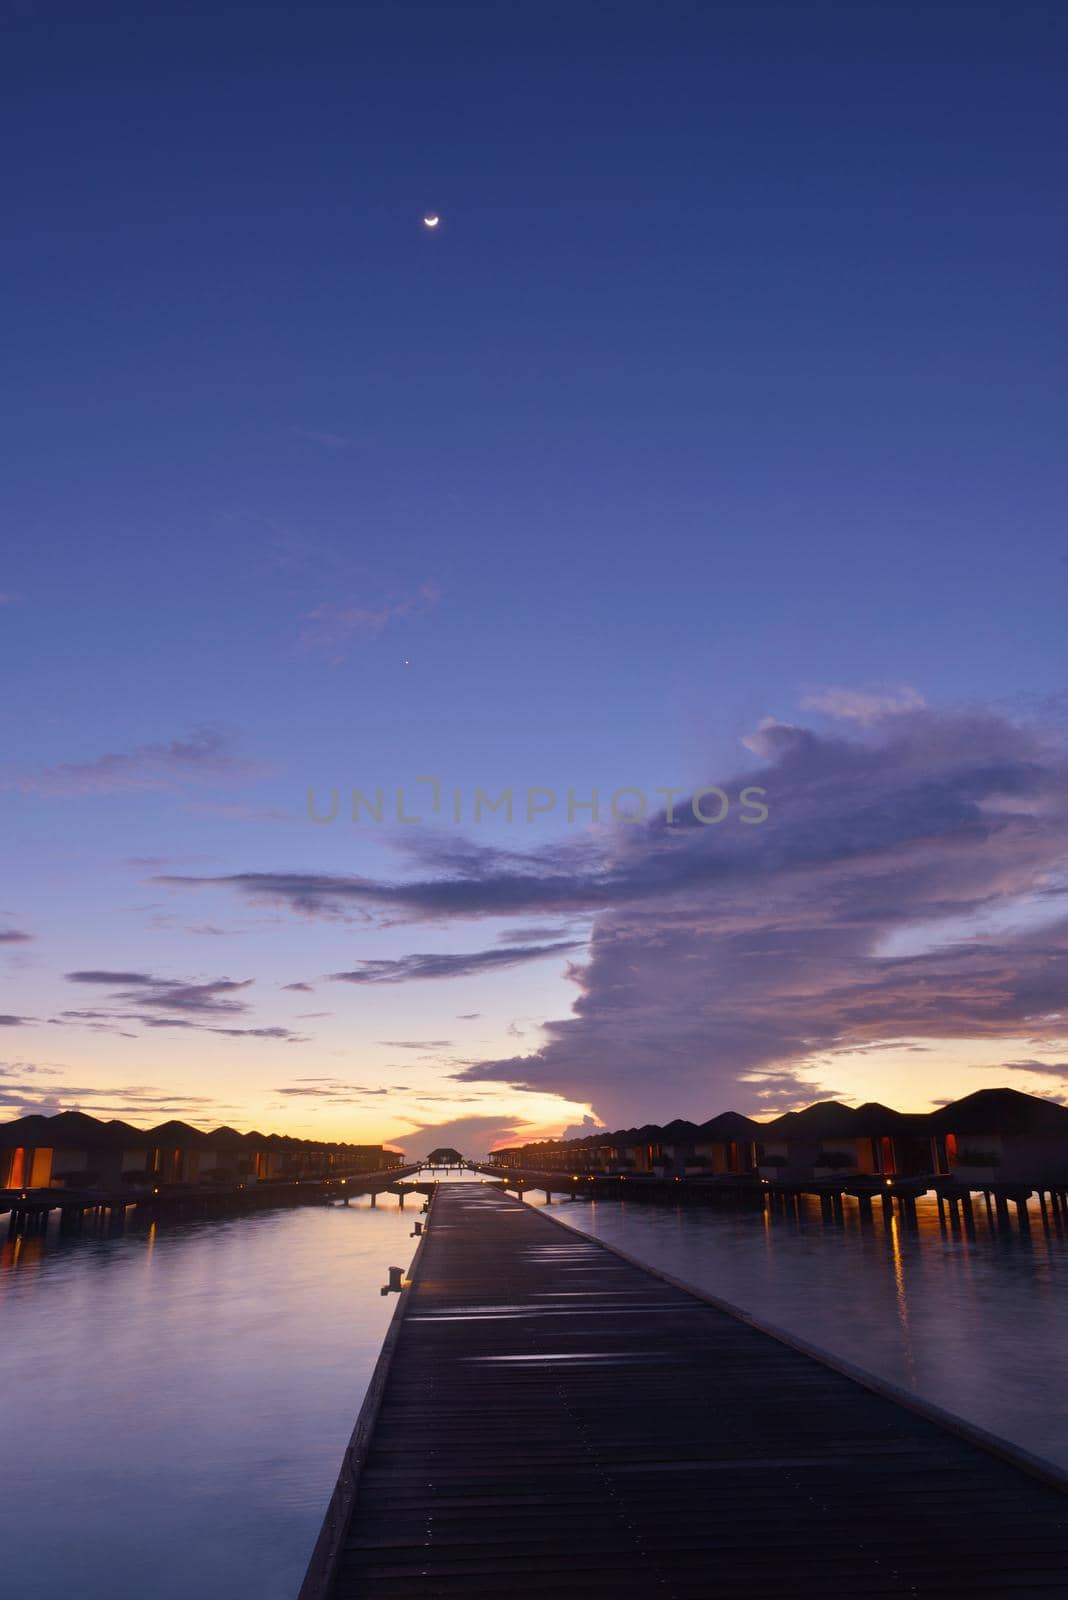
(431,222)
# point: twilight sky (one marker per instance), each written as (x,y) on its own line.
(712,439)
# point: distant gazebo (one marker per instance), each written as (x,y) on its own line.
(445,1157)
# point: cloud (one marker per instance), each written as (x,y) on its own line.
(416,1044)
(31,1069)
(486,883)
(329,1089)
(472,1135)
(582,1130)
(723,959)
(9,1021)
(94,1021)
(257,1033)
(141,996)
(1050,1069)
(300,988)
(862,708)
(23,1095)
(330,629)
(206,756)
(111,978)
(213,998)
(15,936)
(414,968)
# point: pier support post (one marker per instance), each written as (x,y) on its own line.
(967,1213)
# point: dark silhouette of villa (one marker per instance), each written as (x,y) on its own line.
(444,1157)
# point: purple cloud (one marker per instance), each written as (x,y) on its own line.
(206,756)
(169,994)
(723,959)
(156,1002)
(330,629)
(416,1044)
(414,968)
(1048,1069)
(472,1135)
(862,707)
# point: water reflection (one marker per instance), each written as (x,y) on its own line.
(968,1311)
(176,1400)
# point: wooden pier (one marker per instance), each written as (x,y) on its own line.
(896,1195)
(29,1210)
(548,1418)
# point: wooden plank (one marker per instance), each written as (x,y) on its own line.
(554,1420)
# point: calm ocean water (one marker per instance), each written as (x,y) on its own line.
(174,1405)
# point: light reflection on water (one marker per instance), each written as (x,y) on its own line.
(176,1402)
(975,1324)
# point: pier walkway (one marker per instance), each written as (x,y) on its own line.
(548,1419)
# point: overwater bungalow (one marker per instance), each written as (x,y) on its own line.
(69,1150)
(992,1136)
(726,1146)
(830,1140)
(1003,1136)
(75,1151)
